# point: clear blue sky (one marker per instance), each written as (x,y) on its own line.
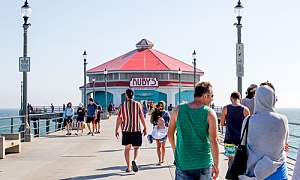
(62,29)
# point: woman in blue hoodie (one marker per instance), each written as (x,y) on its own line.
(68,116)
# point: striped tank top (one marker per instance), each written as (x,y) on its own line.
(192,145)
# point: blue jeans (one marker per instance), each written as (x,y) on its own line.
(195,174)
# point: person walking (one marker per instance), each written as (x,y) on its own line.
(232,117)
(145,109)
(80,118)
(52,107)
(92,111)
(130,118)
(160,119)
(267,138)
(68,117)
(196,151)
(170,108)
(110,108)
(97,122)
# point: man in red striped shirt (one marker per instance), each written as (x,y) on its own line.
(130,118)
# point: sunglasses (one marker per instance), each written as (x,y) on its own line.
(210,95)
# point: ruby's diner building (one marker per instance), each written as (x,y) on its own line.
(152,75)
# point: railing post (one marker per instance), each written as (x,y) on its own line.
(38,126)
(48,124)
(12,125)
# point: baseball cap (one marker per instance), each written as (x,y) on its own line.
(253,85)
(129,93)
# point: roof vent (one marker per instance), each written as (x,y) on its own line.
(144,44)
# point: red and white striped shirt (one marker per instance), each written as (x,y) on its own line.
(130,113)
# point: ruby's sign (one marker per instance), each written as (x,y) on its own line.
(143,82)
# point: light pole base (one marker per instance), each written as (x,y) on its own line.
(28,136)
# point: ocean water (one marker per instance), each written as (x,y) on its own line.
(293,115)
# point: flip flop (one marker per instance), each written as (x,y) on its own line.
(127,170)
(134,166)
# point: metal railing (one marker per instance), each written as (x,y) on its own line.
(40,124)
(13,124)
(47,109)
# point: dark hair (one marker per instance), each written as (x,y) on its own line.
(91,99)
(235,95)
(250,92)
(268,84)
(202,88)
(70,104)
(129,93)
(157,113)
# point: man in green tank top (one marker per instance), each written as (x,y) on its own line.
(196,151)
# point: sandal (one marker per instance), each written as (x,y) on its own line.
(127,170)
(134,166)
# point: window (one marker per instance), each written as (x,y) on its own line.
(116,76)
(124,76)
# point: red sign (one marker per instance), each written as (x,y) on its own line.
(143,82)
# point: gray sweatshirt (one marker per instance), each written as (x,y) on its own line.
(267,135)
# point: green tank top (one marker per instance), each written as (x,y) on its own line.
(192,144)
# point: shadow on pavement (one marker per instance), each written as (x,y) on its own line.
(142,167)
(98,176)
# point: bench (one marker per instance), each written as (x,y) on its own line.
(10,143)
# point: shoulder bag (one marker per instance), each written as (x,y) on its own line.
(238,165)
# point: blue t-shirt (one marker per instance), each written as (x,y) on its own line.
(91,110)
(166,116)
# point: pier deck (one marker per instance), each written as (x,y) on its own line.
(57,156)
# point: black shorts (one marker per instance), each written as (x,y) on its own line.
(133,138)
(68,119)
(97,120)
(90,119)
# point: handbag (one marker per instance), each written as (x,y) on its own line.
(238,165)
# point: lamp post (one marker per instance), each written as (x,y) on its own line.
(26,11)
(194,55)
(94,88)
(84,56)
(105,77)
(179,79)
(21,96)
(239,47)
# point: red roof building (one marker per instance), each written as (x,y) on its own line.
(141,65)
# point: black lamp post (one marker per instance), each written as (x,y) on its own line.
(179,84)
(194,55)
(94,88)
(105,77)
(26,11)
(84,56)
(238,9)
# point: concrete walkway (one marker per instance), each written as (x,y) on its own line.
(57,156)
